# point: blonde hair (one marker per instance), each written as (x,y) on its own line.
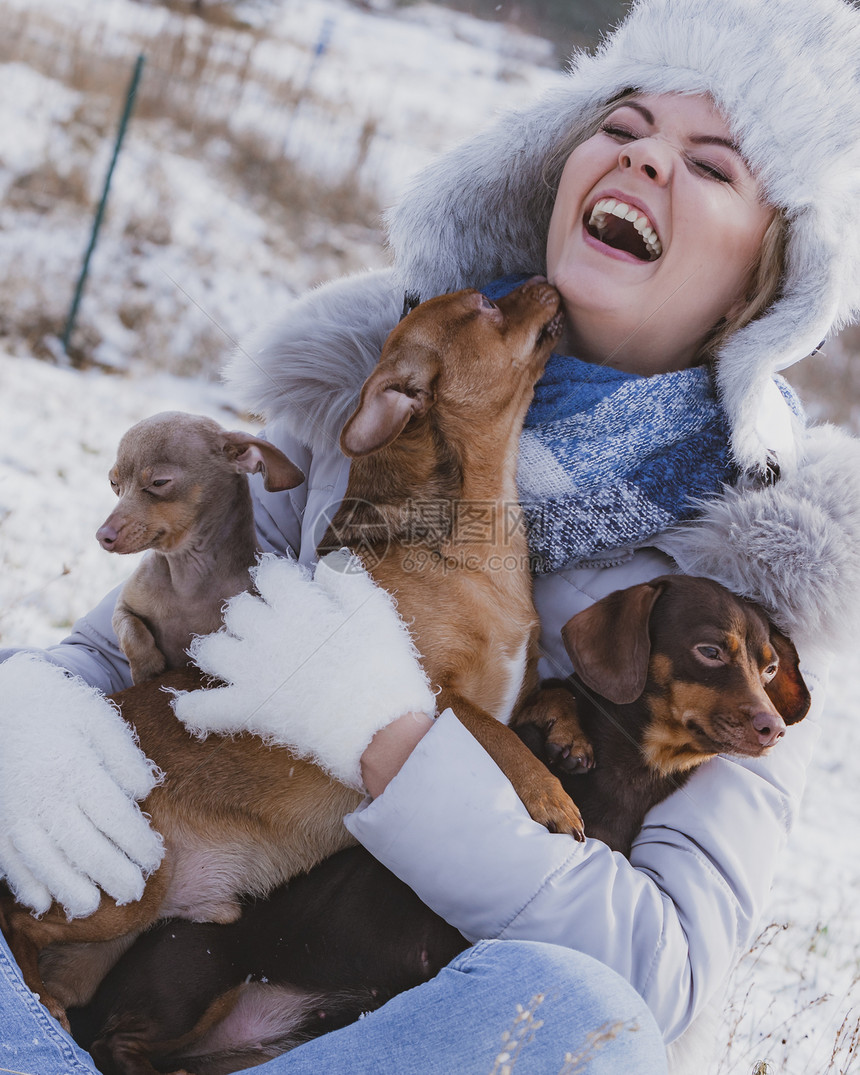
(766,274)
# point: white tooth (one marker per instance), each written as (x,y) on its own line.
(608,204)
(620,210)
(632,215)
(641,225)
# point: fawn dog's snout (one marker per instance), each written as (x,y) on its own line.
(106,536)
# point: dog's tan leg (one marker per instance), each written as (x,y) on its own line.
(542,794)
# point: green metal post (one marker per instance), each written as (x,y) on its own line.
(97,221)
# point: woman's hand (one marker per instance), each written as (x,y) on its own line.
(70,772)
(316,665)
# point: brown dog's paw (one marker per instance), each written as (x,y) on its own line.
(549,725)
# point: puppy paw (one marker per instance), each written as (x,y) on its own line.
(147,666)
(556,737)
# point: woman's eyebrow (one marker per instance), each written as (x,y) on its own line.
(644,112)
(715,140)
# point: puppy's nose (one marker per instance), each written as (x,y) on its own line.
(106,536)
(769,727)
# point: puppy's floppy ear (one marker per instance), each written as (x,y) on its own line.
(609,643)
(399,389)
(250,454)
(787,690)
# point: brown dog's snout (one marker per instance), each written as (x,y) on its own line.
(768,726)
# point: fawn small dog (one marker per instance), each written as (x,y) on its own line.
(438,424)
(670,673)
(431,507)
(183,495)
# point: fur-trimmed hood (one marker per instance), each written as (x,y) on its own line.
(785,73)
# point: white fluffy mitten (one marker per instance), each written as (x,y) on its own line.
(317,665)
(70,772)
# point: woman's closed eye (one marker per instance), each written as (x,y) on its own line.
(710,170)
(619,132)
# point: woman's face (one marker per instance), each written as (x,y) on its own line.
(643,290)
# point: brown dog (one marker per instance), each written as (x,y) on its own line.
(237,817)
(183,495)
(668,674)
(438,425)
(431,507)
(671,673)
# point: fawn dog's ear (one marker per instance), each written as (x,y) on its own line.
(250,455)
(609,643)
(787,690)
(399,389)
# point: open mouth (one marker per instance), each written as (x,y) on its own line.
(624,228)
(551,330)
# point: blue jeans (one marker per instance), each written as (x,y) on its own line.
(499,1008)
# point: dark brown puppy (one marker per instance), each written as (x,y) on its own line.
(692,671)
(327,946)
(668,674)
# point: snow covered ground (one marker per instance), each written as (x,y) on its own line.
(216,268)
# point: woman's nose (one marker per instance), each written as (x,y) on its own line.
(648,157)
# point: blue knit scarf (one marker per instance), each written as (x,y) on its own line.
(610,459)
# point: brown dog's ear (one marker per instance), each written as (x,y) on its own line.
(609,643)
(250,455)
(787,690)
(394,393)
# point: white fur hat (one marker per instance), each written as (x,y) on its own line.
(784,73)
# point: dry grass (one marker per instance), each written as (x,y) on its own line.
(209,95)
(207,78)
(809,1025)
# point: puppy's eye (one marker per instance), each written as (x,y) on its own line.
(114,485)
(769,672)
(487,304)
(712,654)
(159,482)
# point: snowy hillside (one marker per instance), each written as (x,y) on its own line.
(197,250)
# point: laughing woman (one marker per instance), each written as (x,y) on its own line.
(693,191)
